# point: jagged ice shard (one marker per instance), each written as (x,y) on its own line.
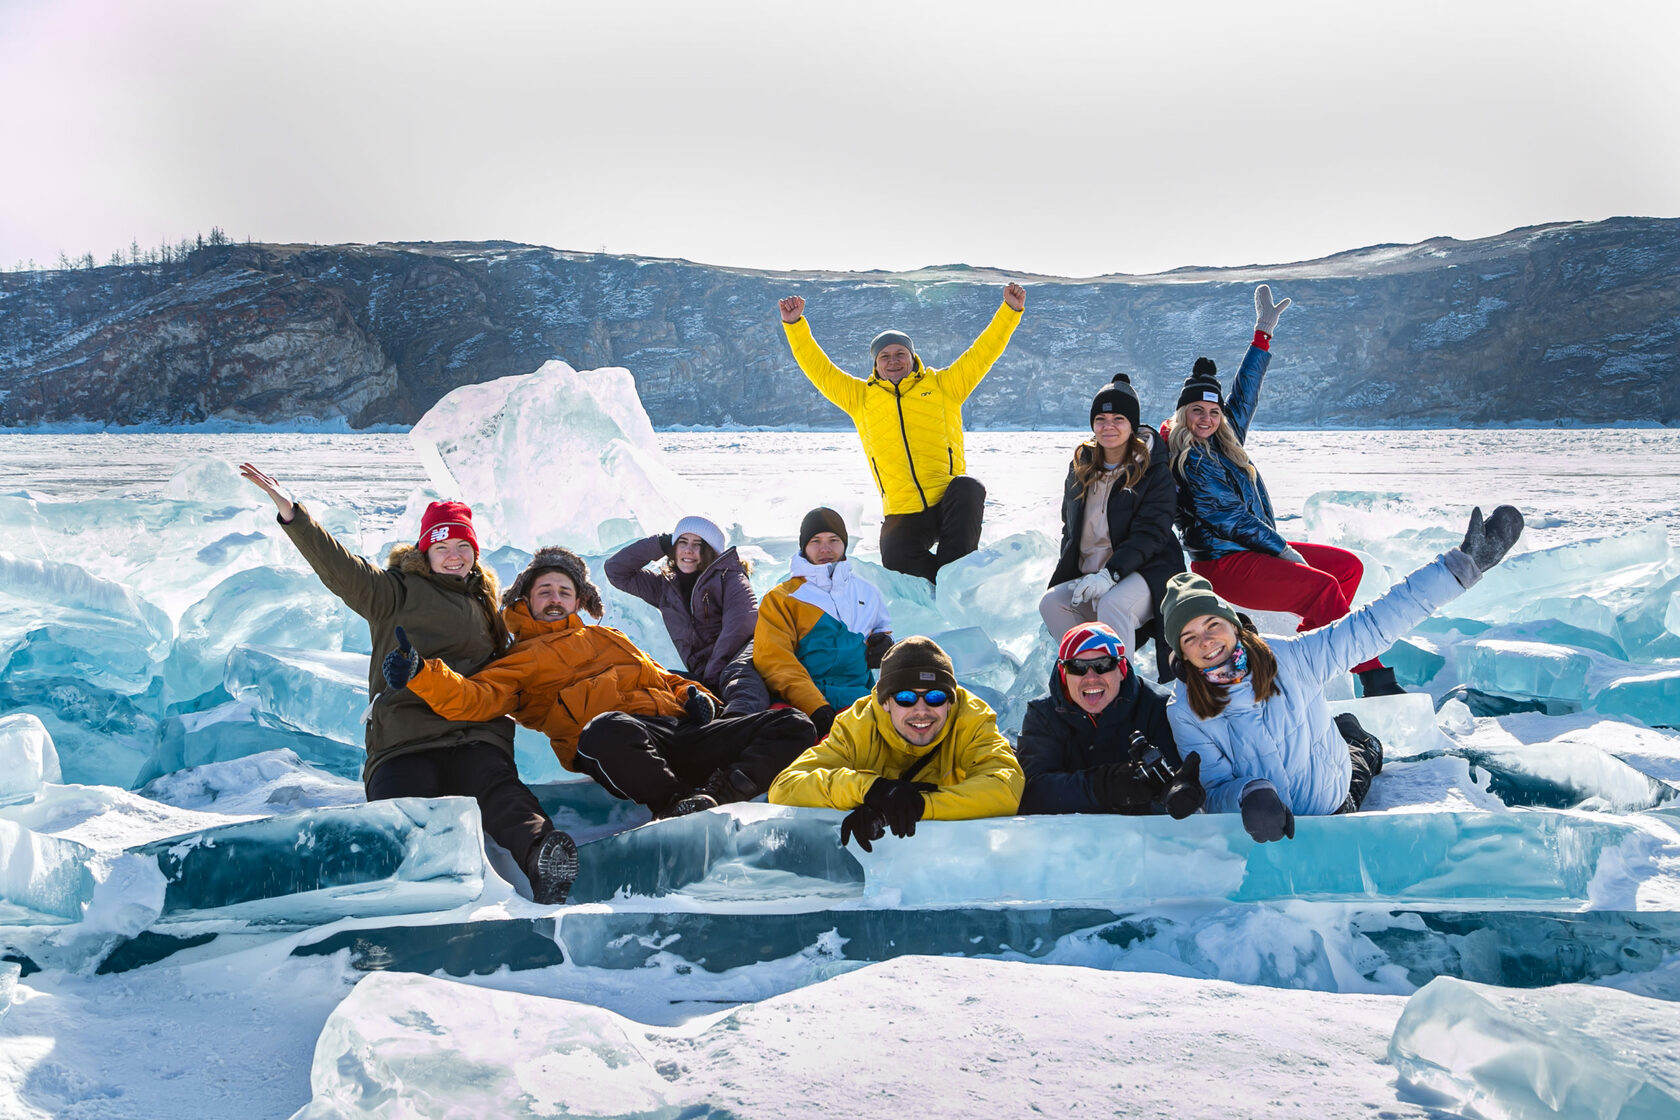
(554,457)
(43,880)
(27,758)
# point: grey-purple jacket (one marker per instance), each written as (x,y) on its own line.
(716,621)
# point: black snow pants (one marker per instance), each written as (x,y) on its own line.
(1365,751)
(659,760)
(950,526)
(738,685)
(510,812)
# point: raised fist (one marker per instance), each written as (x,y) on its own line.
(1015,296)
(793,309)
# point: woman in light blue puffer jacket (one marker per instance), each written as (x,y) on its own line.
(1254,710)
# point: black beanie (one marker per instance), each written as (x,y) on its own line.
(915,663)
(1202,385)
(822,520)
(1117,396)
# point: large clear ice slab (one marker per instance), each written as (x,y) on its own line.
(1534,669)
(1610,570)
(765,852)
(43,880)
(404,856)
(315,691)
(27,758)
(266,606)
(256,785)
(1406,725)
(1566,1051)
(493,445)
(997,588)
(1653,698)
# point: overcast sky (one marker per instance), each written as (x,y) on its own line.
(1061,138)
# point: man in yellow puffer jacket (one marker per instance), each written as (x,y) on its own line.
(917,747)
(909,418)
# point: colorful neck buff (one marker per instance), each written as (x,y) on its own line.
(1234,671)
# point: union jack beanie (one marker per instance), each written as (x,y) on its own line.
(1090,637)
(446,521)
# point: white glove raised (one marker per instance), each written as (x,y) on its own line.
(1088,589)
(1265,311)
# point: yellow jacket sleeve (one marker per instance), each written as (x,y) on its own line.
(988,781)
(843,390)
(494,691)
(974,363)
(775,640)
(825,776)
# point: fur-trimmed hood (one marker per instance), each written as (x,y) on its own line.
(569,564)
(409,560)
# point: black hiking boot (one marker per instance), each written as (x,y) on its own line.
(1361,740)
(1379,682)
(727,786)
(552,868)
(696,802)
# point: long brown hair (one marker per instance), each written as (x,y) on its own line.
(1208,699)
(1181,441)
(708,557)
(1088,462)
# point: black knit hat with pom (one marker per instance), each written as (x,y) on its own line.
(1202,385)
(1119,397)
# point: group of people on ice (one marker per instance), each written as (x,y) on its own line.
(807,696)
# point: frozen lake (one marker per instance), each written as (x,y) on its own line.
(1574,483)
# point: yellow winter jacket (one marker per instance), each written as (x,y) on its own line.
(912,432)
(974,766)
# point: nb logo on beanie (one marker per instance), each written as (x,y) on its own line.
(927,676)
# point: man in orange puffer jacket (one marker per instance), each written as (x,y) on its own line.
(609,710)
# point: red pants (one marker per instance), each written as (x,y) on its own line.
(1320,592)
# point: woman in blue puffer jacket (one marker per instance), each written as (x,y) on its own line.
(1225,514)
(1254,710)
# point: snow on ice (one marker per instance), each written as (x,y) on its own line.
(200,916)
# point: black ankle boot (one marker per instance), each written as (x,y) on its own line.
(552,868)
(1379,682)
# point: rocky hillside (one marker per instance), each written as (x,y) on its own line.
(1564,323)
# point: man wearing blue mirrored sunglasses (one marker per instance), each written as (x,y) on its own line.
(919,747)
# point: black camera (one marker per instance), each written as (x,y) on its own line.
(1149,765)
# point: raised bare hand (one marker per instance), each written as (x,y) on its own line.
(269,486)
(793,309)
(1015,296)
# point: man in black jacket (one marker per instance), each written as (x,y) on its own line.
(1100,742)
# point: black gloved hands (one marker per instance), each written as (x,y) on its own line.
(1265,816)
(1487,542)
(823,719)
(698,708)
(900,802)
(865,825)
(1265,311)
(1186,794)
(668,547)
(402,663)
(876,647)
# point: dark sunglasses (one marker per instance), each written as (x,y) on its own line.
(935,697)
(1105,664)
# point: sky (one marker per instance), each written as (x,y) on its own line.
(1059,138)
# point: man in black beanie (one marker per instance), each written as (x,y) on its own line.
(920,746)
(909,418)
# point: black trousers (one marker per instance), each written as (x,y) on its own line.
(919,544)
(1367,764)
(738,685)
(482,771)
(658,760)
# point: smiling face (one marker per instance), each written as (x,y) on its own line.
(1204,418)
(894,362)
(1094,691)
(452,557)
(687,550)
(552,597)
(1207,641)
(825,548)
(1112,432)
(921,724)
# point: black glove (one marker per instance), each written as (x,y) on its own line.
(865,824)
(823,719)
(402,663)
(900,802)
(668,547)
(1119,788)
(876,648)
(1266,817)
(1186,794)
(1486,543)
(698,708)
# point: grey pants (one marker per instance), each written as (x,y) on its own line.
(1125,608)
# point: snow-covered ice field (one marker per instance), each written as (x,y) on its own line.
(199,916)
